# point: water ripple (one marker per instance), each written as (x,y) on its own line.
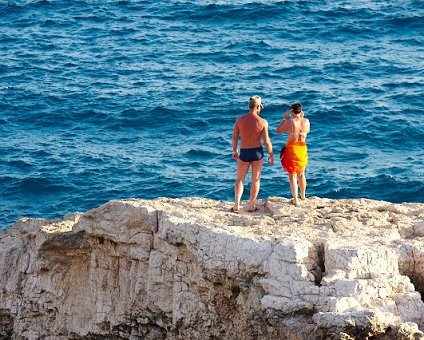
(105,100)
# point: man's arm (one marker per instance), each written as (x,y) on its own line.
(236,134)
(267,143)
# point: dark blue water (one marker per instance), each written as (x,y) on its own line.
(102,100)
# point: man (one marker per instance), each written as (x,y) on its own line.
(251,129)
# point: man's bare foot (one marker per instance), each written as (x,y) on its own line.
(235,210)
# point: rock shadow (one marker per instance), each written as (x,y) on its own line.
(412,266)
(318,271)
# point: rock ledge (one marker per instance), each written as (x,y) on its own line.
(190,269)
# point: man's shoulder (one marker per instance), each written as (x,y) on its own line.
(263,120)
(242,118)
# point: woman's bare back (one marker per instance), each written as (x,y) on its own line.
(298,130)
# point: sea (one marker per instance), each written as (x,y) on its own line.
(103,100)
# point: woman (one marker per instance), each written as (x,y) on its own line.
(296,153)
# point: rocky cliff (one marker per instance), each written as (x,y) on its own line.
(190,269)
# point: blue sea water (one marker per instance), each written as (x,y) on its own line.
(102,100)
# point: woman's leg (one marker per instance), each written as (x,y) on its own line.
(293,187)
(302,184)
(242,168)
(256,183)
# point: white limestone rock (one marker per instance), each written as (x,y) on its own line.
(189,268)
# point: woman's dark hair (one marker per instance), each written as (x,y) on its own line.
(296,107)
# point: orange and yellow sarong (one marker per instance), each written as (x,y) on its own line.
(295,157)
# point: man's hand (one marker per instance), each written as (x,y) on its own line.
(235,155)
(271,159)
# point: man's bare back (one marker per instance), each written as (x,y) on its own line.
(251,129)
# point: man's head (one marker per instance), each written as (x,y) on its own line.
(255,102)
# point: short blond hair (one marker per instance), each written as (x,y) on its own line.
(254,102)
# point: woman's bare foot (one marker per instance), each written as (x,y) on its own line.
(252,207)
(294,201)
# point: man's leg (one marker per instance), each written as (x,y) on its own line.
(242,168)
(293,187)
(256,183)
(302,184)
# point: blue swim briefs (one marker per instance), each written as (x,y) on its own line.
(251,154)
